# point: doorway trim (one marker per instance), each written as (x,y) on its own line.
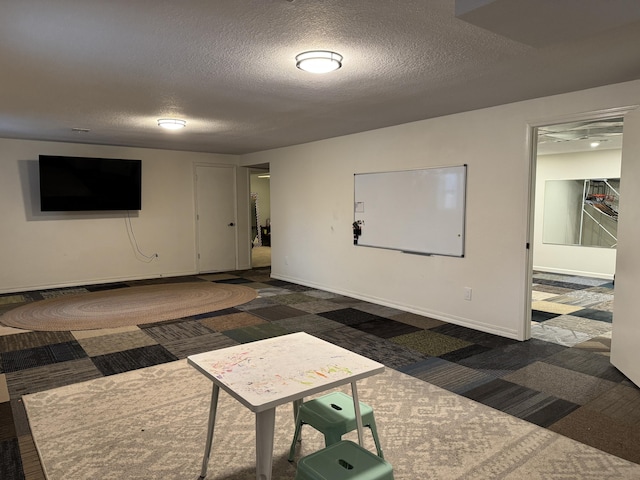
(262,169)
(532,148)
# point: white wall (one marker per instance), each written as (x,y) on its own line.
(567,259)
(53,249)
(312,210)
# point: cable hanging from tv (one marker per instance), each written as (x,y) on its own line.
(134,243)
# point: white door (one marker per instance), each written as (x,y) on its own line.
(625,335)
(216,218)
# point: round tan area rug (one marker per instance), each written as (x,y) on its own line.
(123,307)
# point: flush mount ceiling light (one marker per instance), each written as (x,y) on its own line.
(319,61)
(172,123)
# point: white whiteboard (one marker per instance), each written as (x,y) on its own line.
(416,211)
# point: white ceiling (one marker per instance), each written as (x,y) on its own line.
(114,67)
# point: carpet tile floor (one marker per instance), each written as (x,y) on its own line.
(560,379)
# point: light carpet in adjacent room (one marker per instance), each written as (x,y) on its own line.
(151,424)
(126,306)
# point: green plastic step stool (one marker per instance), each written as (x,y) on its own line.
(333,415)
(344,460)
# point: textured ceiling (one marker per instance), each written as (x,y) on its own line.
(228,66)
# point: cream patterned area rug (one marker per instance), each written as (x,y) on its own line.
(126,306)
(151,424)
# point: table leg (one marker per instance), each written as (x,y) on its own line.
(356,407)
(212,421)
(296,407)
(265,425)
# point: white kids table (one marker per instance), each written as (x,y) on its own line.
(264,374)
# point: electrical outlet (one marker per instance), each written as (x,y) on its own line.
(467,293)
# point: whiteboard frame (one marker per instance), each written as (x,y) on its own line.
(399,204)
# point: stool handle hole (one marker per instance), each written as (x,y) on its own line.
(344,464)
(336,407)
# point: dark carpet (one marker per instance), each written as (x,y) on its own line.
(561,379)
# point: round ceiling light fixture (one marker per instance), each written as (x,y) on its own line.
(319,61)
(172,123)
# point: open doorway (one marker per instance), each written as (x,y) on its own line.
(577,190)
(260,205)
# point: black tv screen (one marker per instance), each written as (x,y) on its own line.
(88,184)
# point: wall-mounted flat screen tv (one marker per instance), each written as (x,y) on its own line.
(89,184)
